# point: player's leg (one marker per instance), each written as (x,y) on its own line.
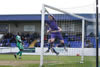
(20,53)
(21,50)
(51,43)
(49,46)
(63,45)
(15,55)
(62,41)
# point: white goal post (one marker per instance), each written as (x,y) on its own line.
(42,34)
(42,30)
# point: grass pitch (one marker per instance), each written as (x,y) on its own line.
(49,61)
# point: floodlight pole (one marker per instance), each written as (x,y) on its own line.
(97,36)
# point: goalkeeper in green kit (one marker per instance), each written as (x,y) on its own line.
(19,45)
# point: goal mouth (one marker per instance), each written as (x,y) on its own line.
(75,28)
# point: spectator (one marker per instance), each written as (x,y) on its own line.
(89,44)
(91,34)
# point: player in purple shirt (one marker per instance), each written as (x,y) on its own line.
(55,32)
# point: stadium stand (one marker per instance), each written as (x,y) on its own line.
(9,39)
(71,41)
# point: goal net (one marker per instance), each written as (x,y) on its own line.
(78,35)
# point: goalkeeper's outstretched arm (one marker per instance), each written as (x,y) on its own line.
(49,14)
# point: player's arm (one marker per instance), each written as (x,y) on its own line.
(21,42)
(59,29)
(48,28)
(17,39)
(48,31)
(50,14)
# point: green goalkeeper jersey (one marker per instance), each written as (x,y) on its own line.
(19,42)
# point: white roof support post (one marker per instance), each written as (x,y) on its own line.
(83,35)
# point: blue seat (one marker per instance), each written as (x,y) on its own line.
(26,45)
(8,40)
(7,44)
(13,44)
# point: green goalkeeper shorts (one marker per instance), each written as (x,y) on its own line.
(20,46)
